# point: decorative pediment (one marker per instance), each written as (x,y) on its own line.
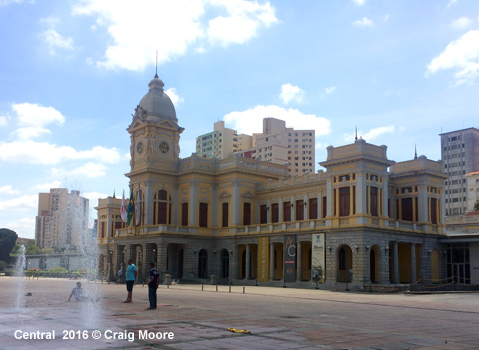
(248,195)
(224,195)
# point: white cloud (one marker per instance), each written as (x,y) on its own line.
(172,26)
(44,153)
(451,3)
(329,90)
(9,2)
(3,121)
(32,119)
(251,120)
(56,41)
(8,190)
(94,196)
(173,95)
(290,92)
(461,55)
(90,169)
(461,23)
(25,227)
(48,186)
(28,202)
(360,2)
(386,17)
(371,134)
(364,22)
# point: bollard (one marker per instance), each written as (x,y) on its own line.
(243,290)
(216,287)
(167,286)
(201,287)
(230,289)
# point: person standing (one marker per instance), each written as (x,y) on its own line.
(131,274)
(118,279)
(153,286)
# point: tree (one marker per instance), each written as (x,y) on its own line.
(476,205)
(7,242)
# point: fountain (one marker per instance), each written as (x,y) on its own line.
(20,265)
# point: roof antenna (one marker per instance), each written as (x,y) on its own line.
(415,152)
(156,70)
(356,137)
(114,193)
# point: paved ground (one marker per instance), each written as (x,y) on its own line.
(278,318)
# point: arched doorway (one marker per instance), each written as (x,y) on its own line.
(373,264)
(181,255)
(225,264)
(203,264)
(345,263)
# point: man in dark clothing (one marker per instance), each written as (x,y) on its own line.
(153,286)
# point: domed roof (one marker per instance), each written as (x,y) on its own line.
(156,102)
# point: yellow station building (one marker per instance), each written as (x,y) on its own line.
(366,219)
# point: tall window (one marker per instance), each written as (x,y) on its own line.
(433,211)
(246,214)
(102,230)
(161,208)
(225,264)
(224,213)
(344,201)
(374,200)
(203,262)
(274,212)
(286,211)
(184,214)
(263,214)
(203,214)
(313,208)
(324,208)
(406,206)
(299,210)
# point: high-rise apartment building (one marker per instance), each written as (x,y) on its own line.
(222,142)
(460,156)
(277,144)
(62,219)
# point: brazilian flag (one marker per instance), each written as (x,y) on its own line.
(131,208)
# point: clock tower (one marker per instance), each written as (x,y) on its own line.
(155,133)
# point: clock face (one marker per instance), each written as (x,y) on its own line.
(139,148)
(164,147)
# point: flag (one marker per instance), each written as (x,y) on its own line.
(131,208)
(123,211)
(138,208)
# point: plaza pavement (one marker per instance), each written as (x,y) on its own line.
(278,318)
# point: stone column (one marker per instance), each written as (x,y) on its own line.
(305,205)
(299,262)
(361,194)
(280,209)
(413,263)
(385,211)
(291,207)
(193,202)
(329,195)
(214,209)
(148,204)
(395,263)
(176,204)
(423,212)
(269,209)
(320,206)
(247,263)
(271,261)
(235,202)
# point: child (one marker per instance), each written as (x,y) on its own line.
(78,293)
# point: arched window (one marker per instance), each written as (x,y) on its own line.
(162,208)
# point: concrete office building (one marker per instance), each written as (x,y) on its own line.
(366,219)
(62,219)
(460,156)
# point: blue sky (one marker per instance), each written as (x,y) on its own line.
(73,71)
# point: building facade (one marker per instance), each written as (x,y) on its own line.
(365,220)
(62,220)
(460,156)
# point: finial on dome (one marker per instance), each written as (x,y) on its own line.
(415,152)
(356,137)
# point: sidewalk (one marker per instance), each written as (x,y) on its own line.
(278,318)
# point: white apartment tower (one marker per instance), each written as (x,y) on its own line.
(222,142)
(460,156)
(62,219)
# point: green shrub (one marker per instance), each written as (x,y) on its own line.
(58,270)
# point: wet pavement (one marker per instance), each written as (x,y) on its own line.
(188,317)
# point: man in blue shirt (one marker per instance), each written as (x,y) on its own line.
(153,286)
(131,274)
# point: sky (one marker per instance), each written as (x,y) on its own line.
(73,71)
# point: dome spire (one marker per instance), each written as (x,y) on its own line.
(156,69)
